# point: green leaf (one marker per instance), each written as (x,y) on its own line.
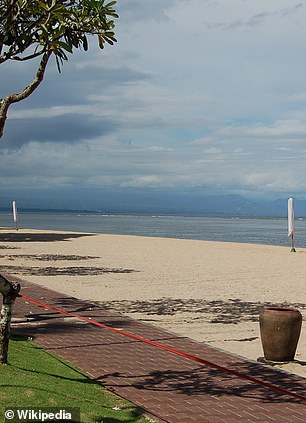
(108,5)
(85,43)
(65,46)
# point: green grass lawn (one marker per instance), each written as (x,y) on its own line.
(36,378)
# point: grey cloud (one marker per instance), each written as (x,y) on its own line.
(255,20)
(292,9)
(77,81)
(67,128)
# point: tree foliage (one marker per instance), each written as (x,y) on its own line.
(41,28)
(55,26)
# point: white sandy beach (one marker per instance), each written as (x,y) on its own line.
(209,291)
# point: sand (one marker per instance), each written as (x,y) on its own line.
(209,291)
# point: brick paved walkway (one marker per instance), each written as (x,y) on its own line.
(170,387)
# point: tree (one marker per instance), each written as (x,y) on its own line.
(31,29)
(9,293)
(38,30)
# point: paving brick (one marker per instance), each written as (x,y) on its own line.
(169,386)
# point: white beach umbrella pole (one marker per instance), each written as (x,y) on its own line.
(15,215)
(291,230)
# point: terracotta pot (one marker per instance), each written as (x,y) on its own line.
(280,329)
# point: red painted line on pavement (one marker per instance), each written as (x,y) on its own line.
(169,349)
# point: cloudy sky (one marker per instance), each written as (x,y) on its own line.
(206,95)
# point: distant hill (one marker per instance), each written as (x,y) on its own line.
(193,202)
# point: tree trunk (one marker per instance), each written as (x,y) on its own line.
(6,102)
(9,293)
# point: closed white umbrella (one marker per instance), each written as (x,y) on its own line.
(291,231)
(15,215)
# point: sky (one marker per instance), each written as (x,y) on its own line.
(204,96)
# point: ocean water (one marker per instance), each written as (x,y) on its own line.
(271,231)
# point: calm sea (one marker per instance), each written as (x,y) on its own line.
(271,231)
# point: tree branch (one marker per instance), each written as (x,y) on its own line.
(31,56)
(26,92)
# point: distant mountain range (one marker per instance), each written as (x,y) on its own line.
(150,202)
